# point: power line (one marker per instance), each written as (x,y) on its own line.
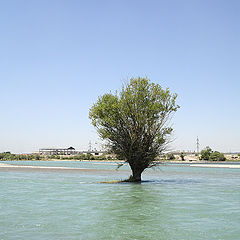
(198,145)
(89,146)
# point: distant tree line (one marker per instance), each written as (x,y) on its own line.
(82,157)
(207,154)
(7,156)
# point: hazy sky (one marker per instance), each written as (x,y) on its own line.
(57,57)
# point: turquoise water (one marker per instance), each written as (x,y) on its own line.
(174,202)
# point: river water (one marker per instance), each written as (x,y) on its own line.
(174,202)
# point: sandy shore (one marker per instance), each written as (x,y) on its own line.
(216,165)
(43,167)
(9,167)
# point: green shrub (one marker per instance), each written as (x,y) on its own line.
(78,157)
(217,156)
(7,156)
(205,154)
(170,156)
(102,157)
(182,155)
(53,157)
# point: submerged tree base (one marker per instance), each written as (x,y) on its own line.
(131,179)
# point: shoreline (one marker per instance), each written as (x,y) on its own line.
(216,165)
(202,164)
(9,167)
(122,161)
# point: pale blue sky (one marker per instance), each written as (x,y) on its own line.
(57,57)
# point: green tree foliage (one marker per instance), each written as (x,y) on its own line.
(170,156)
(182,155)
(134,122)
(217,156)
(205,153)
(7,156)
(208,154)
(53,157)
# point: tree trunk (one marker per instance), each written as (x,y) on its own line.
(136,174)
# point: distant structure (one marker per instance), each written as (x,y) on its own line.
(89,146)
(68,151)
(57,151)
(198,145)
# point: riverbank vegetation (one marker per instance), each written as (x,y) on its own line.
(7,156)
(209,154)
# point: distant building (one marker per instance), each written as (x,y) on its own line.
(93,152)
(57,151)
(68,151)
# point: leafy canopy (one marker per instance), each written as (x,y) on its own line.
(209,154)
(206,153)
(134,121)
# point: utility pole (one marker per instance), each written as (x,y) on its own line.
(90,146)
(198,145)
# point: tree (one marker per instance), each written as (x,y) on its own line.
(182,155)
(205,153)
(208,154)
(134,122)
(171,156)
(217,156)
